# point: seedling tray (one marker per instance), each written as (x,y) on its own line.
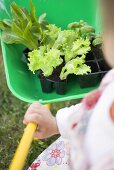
(98,66)
(22,83)
(26,86)
(92,78)
(104,68)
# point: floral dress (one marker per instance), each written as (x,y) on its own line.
(54,158)
(87,134)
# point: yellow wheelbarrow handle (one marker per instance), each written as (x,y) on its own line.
(23,148)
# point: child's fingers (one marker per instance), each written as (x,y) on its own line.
(35,105)
(36,118)
(39,135)
(38,110)
(31,111)
(24,122)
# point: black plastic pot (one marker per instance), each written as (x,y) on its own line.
(25,55)
(92,78)
(104,68)
(46,85)
(49,83)
(61,87)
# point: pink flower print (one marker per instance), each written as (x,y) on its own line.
(54,154)
(35,165)
(91,99)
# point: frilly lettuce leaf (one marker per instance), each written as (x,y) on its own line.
(46,61)
(79,47)
(65,40)
(75,66)
(50,35)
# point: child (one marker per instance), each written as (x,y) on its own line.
(87,129)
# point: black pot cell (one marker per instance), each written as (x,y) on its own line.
(61,87)
(90,56)
(104,67)
(91,79)
(46,85)
(25,55)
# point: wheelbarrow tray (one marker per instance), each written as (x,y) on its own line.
(22,83)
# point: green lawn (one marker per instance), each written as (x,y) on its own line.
(11,128)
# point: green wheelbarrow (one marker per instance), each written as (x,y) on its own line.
(22,83)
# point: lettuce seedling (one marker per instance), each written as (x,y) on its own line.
(75,66)
(45,61)
(24,28)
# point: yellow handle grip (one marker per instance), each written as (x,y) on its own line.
(23,148)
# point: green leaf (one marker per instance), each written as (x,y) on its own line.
(46,61)
(51,34)
(83,69)
(32,12)
(75,66)
(87,29)
(75,25)
(15,11)
(17,30)
(27,29)
(18,13)
(23,25)
(78,47)
(42,21)
(26,12)
(36,32)
(65,40)
(81,46)
(42,18)
(5,24)
(29,36)
(2,26)
(98,40)
(9,37)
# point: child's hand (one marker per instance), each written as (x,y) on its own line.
(42,116)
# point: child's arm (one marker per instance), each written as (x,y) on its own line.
(48,125)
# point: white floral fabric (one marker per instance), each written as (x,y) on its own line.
(53,158)
(80,151)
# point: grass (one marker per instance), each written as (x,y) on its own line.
(11,128)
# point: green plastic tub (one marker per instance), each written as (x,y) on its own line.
(22,83)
